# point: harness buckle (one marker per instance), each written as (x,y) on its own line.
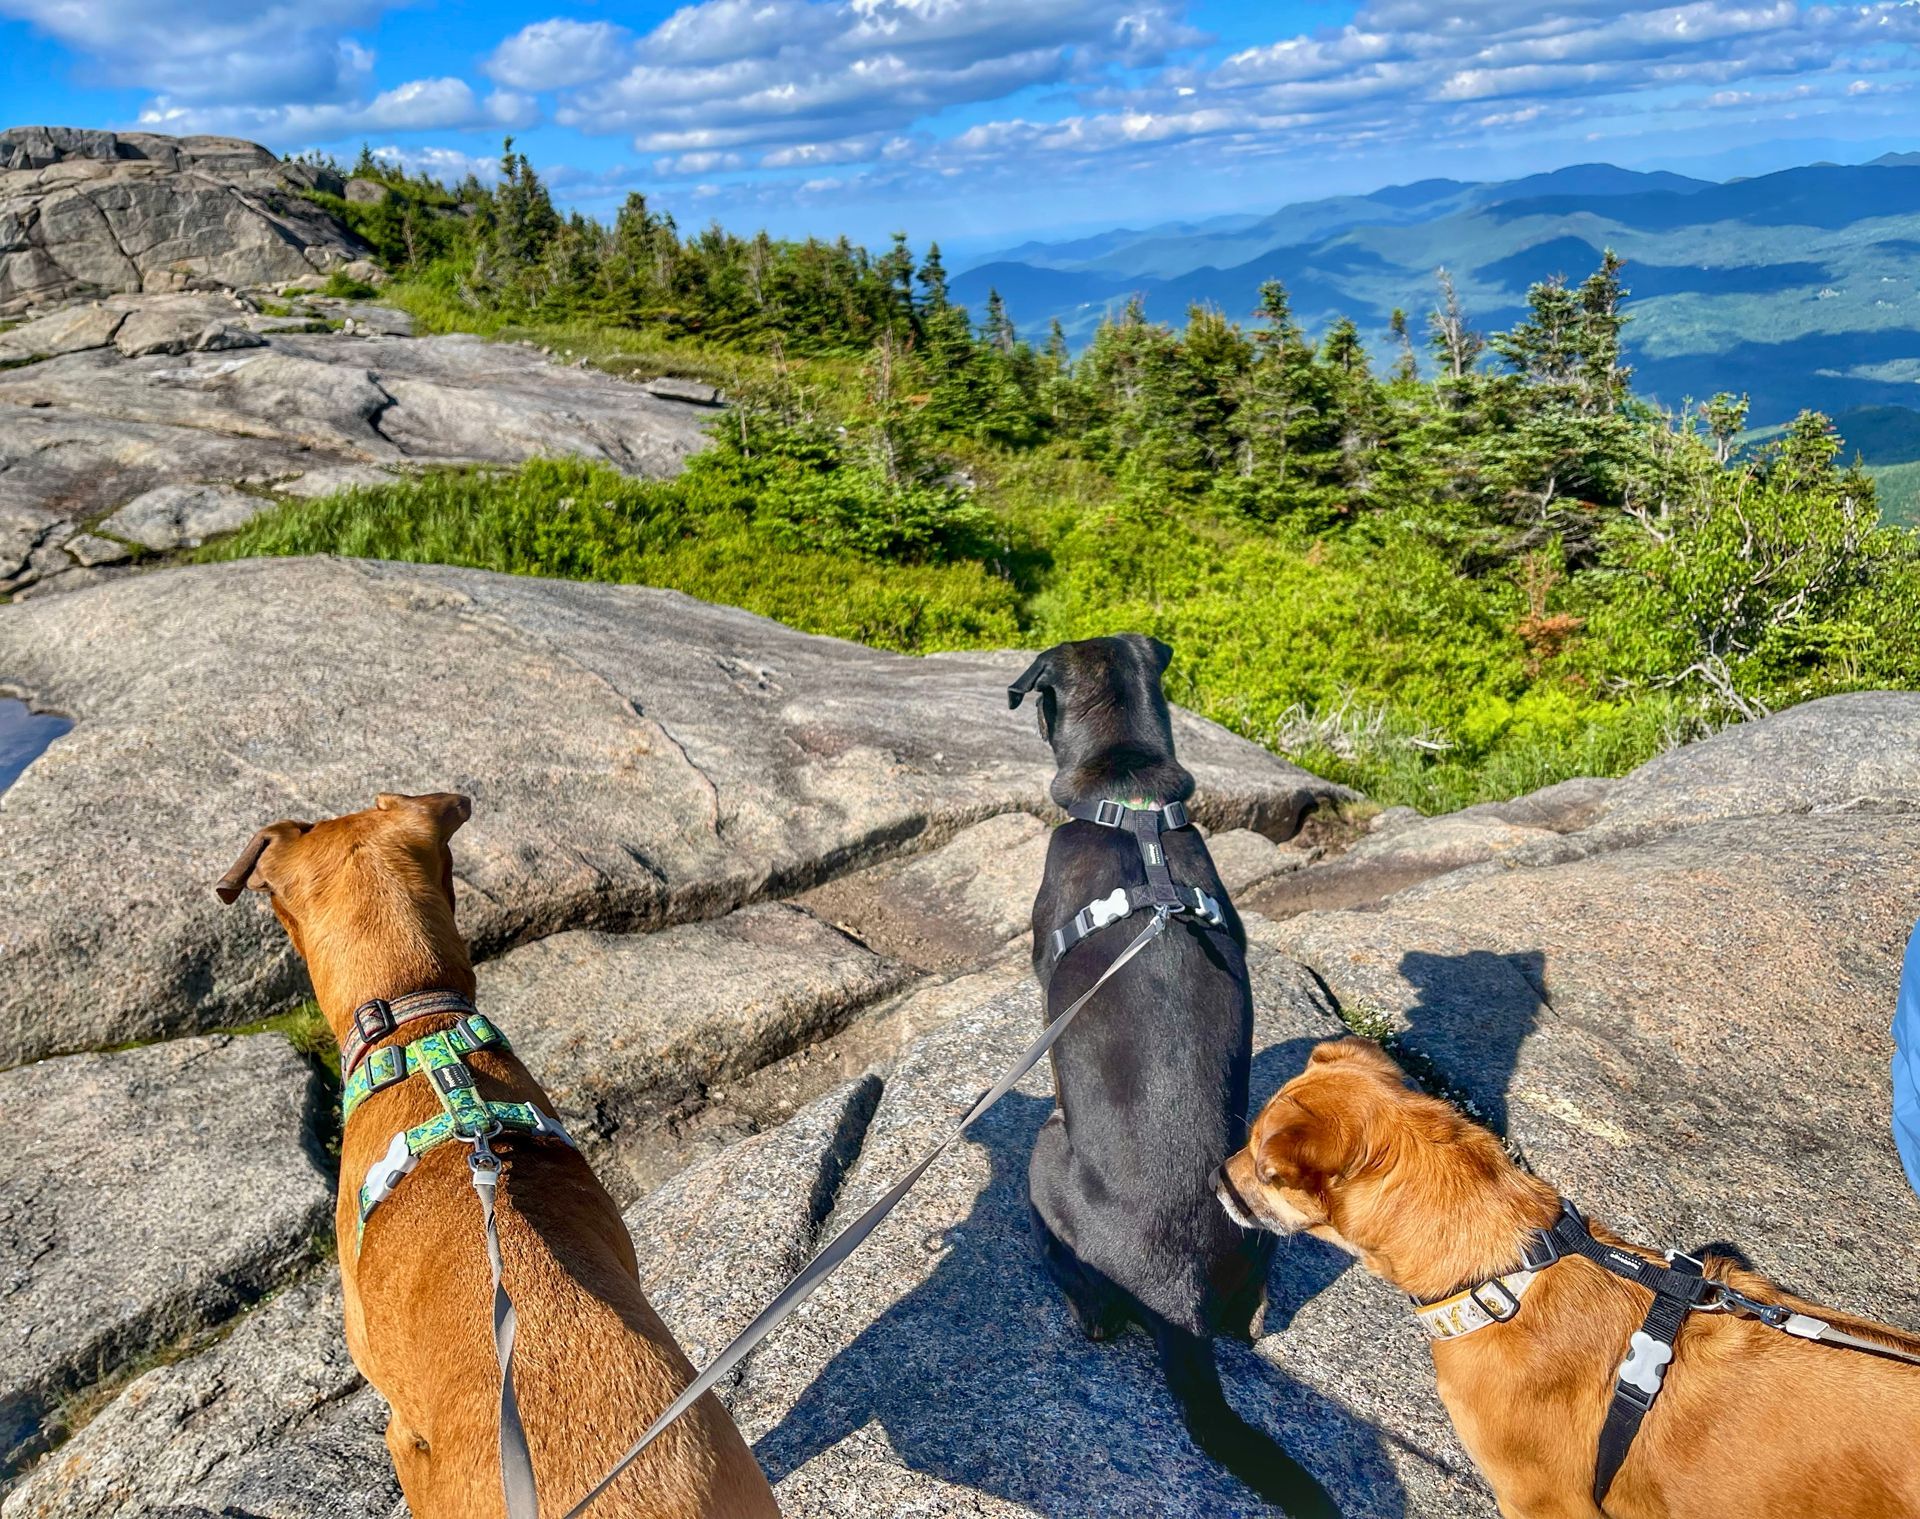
(1109,813)
(1173,815)
(1498,1312)
(373,1019)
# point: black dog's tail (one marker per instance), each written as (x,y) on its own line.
(1250,1454)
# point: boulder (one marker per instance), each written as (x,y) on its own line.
(1689,1036)
(1838,754)
(939,1371)
(637,759)
(183,516)
(147,1194)
(331,481)
(692,392)
(621,1028)
(23,529)
(949,909)
(74,330)
(166,327)
(89,551)
(1245,859)
(368,192)
(272,1422)
(98,213)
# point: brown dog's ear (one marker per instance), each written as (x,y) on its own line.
(446,810)
(1357,1052)
(246,875)
(1307,1150)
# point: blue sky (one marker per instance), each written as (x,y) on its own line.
(982,120)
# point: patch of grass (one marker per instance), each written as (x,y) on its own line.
(697,533)
(342,287)
(305,1028)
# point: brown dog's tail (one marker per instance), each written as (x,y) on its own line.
(1252,1455)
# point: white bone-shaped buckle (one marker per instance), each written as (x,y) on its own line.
(389,1171)
(1646,1363)
(1109,909)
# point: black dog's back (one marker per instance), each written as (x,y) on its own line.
(1151,1079)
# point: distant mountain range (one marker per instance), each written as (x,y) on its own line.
(1801,288)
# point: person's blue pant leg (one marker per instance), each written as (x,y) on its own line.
(1906,1064)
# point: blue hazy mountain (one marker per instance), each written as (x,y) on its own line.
(1801,288)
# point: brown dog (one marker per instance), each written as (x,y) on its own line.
(1751,1422)
(368,902)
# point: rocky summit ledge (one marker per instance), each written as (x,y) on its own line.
(97,213)
(636,758)
(159,420)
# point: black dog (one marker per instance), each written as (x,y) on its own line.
(1152,1076)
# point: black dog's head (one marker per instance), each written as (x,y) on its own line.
(1103,712)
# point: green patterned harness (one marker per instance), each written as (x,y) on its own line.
(464,1114)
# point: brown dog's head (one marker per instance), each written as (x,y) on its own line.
(1105,716)
(364,896)
(1349,1152)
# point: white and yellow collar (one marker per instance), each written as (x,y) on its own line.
(1490,1302)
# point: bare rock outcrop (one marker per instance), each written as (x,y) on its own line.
(86,214)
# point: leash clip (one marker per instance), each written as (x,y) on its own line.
(485,1164)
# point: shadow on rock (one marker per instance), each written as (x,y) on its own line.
(980,1378)
(1473,1012)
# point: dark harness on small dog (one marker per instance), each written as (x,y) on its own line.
(1146,822)
(1681,1287)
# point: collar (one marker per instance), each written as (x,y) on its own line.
(373,1021)
(1493,1301)
(1112,812)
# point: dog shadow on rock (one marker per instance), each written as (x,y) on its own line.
(1474,1012)
(980,1377)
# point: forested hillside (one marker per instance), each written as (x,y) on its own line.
(1479,567)
(1806,281)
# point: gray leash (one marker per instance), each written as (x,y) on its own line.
(849,1239)
(1805,1326)
(516,1460)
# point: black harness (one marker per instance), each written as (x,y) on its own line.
(1679,1288)
(1160,892)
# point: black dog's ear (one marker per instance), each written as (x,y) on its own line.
(1039,673)
(1162,654)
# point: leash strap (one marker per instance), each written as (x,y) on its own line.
(1805,1326)
(375,1020)
(850,1238)
(516,1458)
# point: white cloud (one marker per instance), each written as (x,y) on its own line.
(549,55)
(219,50)
(798,80)
(419,105)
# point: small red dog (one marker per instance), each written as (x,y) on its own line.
(1751,1422)
(368,902)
